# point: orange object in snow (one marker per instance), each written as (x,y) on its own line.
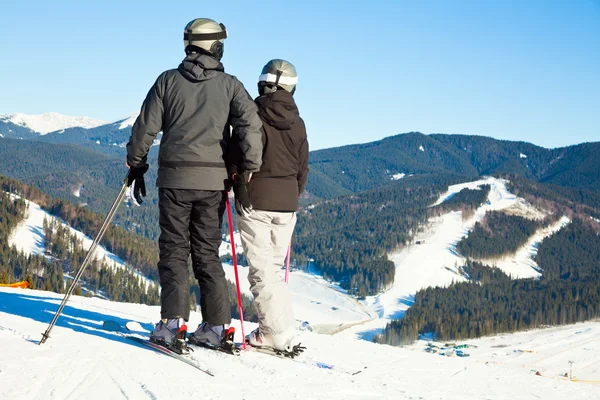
(22,285)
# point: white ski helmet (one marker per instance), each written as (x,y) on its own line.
(277,74)
(206,34)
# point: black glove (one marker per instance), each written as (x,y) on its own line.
(243,205)
(136,183)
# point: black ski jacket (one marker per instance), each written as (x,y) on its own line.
(284,171)
(194,106)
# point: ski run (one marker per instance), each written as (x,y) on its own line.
(83,361)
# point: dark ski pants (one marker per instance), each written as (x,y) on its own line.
(190,223)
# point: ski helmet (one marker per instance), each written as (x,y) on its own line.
(277,74)
(206,34)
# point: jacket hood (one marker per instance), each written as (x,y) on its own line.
(199,67)
(278,109)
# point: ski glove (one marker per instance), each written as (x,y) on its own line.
(240,189)
(136,184)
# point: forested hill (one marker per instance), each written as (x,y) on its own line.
(355,168)
(568,265)
(365,166)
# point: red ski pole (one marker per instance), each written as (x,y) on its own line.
(235,268)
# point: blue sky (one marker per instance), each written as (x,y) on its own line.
(516,70)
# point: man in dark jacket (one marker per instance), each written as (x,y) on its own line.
(195,106)
(268,203)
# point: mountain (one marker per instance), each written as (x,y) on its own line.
(99,136)
(365,166)
(65,171)
(109,139)
(355,168)
(11,130)
(49,122)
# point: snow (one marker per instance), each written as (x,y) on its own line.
(399,176)
(421,148)
(50,122)
(226,244)
(435,261)
(80,360)
(521,155)
(77,193)
(127,121)
(28,237)
(325,306)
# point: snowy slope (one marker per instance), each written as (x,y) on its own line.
(28,237)
(435,262)
(50,122)
(325,306)
(82,361)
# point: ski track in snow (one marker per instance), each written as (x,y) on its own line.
(28,237)
(80,360)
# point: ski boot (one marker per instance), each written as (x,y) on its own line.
(215,337)
(171,334)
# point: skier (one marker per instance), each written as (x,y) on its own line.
(194,106)
(268,203)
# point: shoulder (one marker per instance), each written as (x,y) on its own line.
(233,81)
(166,76)
(301,126)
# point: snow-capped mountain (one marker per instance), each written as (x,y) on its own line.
(127,121)
(50,122)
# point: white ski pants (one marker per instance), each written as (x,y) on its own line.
(265,239)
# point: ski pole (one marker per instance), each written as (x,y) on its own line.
(287,262)
(87,259)
(235,268)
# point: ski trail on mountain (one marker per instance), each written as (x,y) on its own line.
(435,261)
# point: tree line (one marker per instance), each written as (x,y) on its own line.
(498,234)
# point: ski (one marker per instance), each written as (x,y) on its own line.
(293,356)
(173,352)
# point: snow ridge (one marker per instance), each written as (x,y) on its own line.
(127,121)
(50,122)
